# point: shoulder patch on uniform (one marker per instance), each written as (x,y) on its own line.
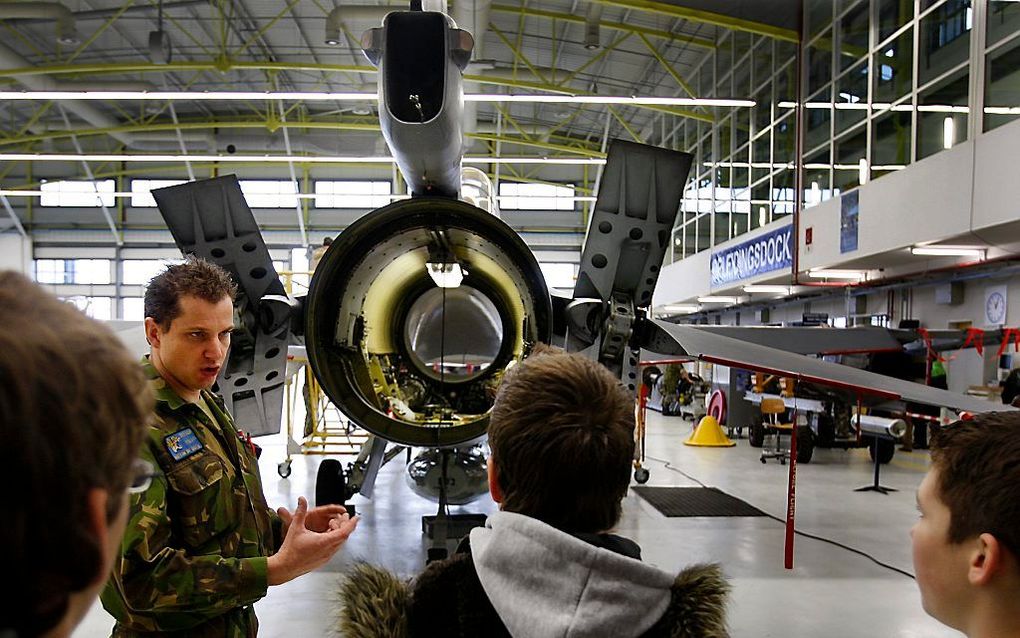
(182,444)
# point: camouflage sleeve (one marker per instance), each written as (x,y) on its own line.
(277,523)
(159,586)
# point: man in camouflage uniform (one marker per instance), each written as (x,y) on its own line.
(202,544)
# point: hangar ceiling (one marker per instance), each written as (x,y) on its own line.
(639,47)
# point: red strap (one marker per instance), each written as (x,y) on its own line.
(975,337)
(1008,334)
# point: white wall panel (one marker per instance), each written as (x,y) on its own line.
(997,177)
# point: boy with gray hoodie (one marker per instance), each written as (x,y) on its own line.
(562,440)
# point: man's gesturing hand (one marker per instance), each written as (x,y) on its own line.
(305,549)
(317,519)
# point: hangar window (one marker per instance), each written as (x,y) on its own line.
(535,197)
(269,193)
(140,271)
(140,190)
(559,275)
(132,309)
(95,307)
(78,194)
(72,271)
(349,194)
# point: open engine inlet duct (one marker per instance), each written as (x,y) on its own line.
(410,361)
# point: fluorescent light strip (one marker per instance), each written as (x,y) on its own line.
(312,196)
(678,309)
(604,99)
(946,251)
(785,290)
(718,299)
(823,273)
(279,159)
(885,106)
(306,96)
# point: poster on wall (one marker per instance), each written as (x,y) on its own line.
(849,207)
(995,305)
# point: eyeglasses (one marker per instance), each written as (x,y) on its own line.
(142,473)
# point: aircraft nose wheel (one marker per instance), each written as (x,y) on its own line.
(641,475)
(283,468)
(330,483)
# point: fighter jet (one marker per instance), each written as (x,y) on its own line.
(416,310)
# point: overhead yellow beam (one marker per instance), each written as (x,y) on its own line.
(705,17)
(192,126)
(547,146)
(264,28)
(626,126)
(669,67)
(222,65)
(616,26)
(274,125)
(99,31)
(595,58)
(518,55)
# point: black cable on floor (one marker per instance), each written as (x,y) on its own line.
(669,466)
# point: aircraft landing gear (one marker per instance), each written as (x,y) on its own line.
(641,475)
(283,468)
(330,483)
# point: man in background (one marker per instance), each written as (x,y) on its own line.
(73,409)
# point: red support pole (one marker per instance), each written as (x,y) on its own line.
(791,497)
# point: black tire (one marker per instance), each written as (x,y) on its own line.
(805,444)
(641,475)
(330,483)
(826,431)
(283,469)
(886,449)
(756,435)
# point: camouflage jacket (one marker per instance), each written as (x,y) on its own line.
(193,558)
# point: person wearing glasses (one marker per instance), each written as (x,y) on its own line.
(73,409)
(202,543)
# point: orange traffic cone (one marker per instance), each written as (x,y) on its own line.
(709,434)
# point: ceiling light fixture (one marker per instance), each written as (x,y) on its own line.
(308,96)
(718,299)
(278,159)
(678,309)
(828,273)
(784,290)
(947,251)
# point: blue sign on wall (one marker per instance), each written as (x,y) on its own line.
(765,253)
(849,211)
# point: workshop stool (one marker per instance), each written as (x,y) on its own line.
(771,418)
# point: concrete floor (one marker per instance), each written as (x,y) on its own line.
(831,591)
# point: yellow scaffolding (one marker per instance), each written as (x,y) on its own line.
(325,431)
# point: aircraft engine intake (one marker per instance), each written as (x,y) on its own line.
(413,314)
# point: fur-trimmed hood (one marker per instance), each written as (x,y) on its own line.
(525,581)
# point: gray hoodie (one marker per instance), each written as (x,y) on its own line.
(545,583)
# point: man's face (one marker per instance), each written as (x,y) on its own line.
(941,566)
(191,352)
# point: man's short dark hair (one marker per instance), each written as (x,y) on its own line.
(978,463)
(562,438)
(73,411)
(195,277)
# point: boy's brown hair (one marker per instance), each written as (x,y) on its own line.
(978,463)
(196,277)
(74,405)
(562,438)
